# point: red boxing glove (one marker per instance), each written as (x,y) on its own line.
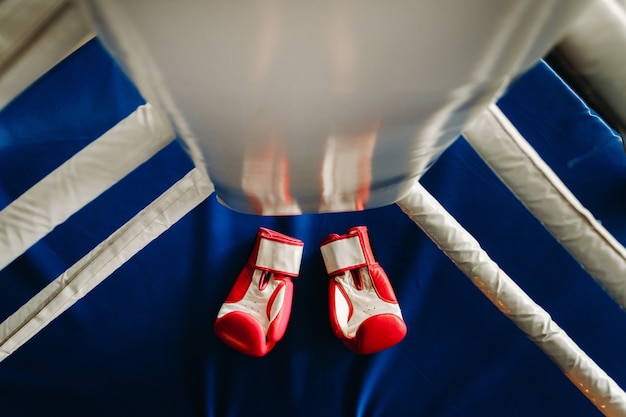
(256,312)
(364,312)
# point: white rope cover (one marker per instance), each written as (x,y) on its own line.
(517,164)
(103,260)
(508,297)
(81,179)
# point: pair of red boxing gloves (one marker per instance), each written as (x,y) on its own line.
(364,311)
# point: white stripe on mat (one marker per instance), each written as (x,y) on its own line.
(466,253)
(81,179)
(103,260)
(519,166)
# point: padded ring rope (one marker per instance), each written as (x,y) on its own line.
(466,253)
(517,164)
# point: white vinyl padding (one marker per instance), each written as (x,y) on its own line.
(595,46)
(320,71)
(103,260)
(81,179)
(519,166)
(466,253)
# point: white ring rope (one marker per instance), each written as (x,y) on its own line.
(461,247)
(103,260)
(81,179)
(517,164)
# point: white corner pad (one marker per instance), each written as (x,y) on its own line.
(523,171)
(279,256)
(593,46)
(343,254)
(81,179)
(103,260)
(466,253)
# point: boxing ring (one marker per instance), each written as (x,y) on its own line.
(116,253)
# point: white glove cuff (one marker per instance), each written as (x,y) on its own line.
(279,257)
(343,254)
